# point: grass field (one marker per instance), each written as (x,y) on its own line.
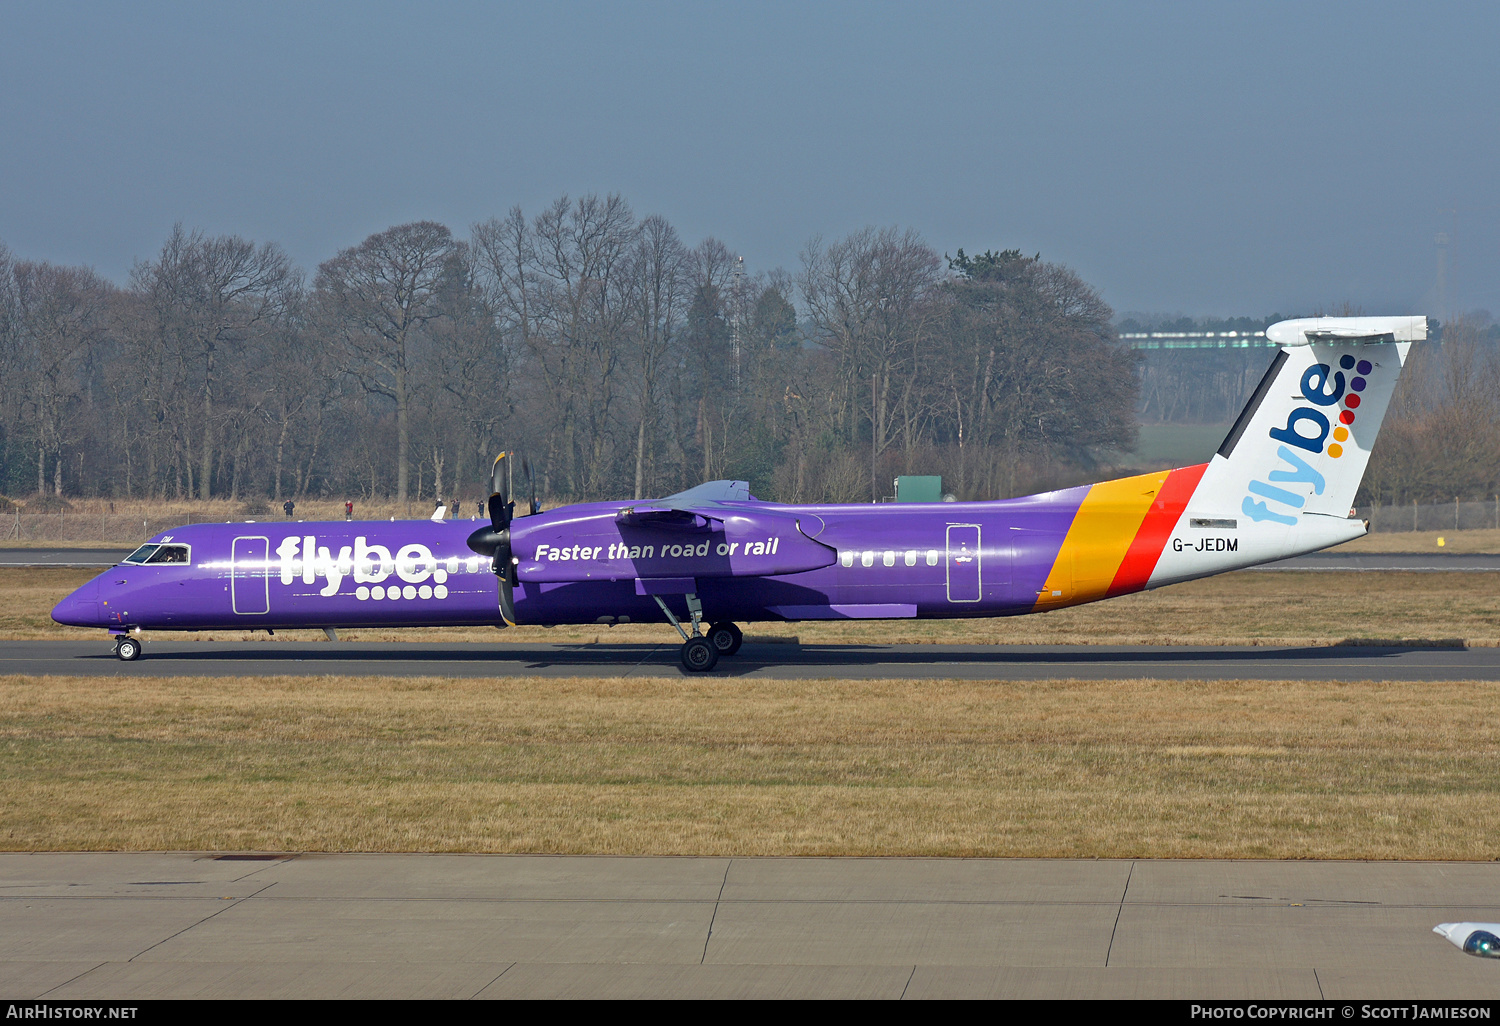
(690,766)
(1250,608)
(1255,769)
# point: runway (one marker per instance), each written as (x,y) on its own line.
(1407,562)
(1411,562)
(141,926)
(94,657)
(63,557)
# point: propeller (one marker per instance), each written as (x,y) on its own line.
(536,507)
(494,540)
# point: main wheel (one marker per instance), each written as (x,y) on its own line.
(699,655)
(727,638)
(128,649)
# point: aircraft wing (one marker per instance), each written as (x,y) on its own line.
(696,509)
(675,538)
(714,491)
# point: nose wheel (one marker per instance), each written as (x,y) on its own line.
(127,649)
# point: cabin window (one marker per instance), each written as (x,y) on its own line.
(932,557)
(867,559)
(911,557)
(846,558)
(473,564)
(452,565)
(889,559)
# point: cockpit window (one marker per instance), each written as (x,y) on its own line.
(160,554)
(141,554)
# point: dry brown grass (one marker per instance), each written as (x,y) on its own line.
(1454,542)
(673,766)
(1250,608)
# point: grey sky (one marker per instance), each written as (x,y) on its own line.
(1203,157)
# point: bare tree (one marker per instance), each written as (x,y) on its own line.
(382,293)
(659,273)
(58,314)
(206,295)
(869,298)
(582,250)
(473,365)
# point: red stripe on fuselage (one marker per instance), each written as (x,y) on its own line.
(1146,548)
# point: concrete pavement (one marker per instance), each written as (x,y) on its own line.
(136,926)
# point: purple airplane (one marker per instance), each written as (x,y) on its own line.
(1281,484)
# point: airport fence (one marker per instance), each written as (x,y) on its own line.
(127,530)
(1435,516)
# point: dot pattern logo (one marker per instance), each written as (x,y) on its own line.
(1361,368)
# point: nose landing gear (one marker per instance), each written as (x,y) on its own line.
(127,649)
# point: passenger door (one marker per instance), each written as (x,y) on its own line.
(963,563)
(250,576)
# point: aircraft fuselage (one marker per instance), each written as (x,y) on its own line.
(581,564)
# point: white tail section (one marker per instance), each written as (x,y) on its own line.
(1302,442)
(1285,478)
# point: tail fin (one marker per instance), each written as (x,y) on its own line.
(1302,442)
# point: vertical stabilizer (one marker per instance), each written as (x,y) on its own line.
(1303,441)
(1285,478)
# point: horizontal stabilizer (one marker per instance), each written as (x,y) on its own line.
(1305,331)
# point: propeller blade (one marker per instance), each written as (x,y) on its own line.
(507,601)
(502,508)
(494,540)
(536,507)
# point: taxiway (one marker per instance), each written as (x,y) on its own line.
(93,657)
(209,925)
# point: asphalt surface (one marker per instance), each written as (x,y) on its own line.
(182,925)
(63,557)
(1412,562)
(1419,562)
(94,657)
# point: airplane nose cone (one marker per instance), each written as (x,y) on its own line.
(80,609)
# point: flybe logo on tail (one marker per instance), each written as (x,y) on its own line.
(1308,428)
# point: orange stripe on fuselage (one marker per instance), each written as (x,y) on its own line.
(1107,521)
(1156,530)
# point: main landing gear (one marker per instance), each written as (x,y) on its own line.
(700,653)
(127,648)
(727,638)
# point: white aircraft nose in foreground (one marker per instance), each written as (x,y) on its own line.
(1482,939)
